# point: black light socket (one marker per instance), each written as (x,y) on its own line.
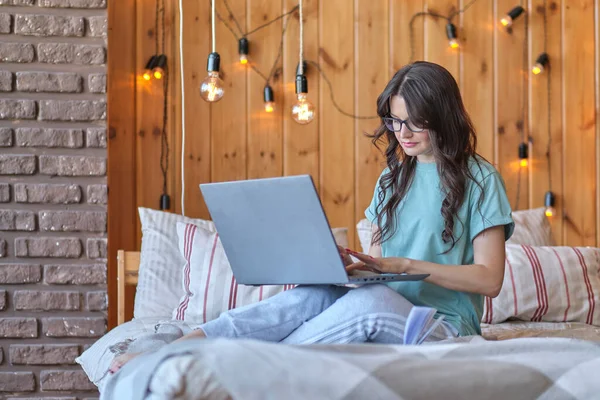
(543,60)
(161,61)
(549,199)
(243,46)
(151,62)
(515,12)
(451,30)
(523,151)
(301,84)
(165,202)
(304,65)
(268,94)
(214,62)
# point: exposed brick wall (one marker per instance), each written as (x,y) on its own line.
(53,194)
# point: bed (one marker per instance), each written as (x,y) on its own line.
(526,350)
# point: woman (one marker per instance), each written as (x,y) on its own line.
(438,209)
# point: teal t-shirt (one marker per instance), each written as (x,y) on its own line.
(419,236)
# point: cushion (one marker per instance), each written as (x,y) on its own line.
(208,285)
(532,228)
(159,282)
(96,360)
(364,229)
(551,284)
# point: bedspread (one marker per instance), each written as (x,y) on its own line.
(531,368)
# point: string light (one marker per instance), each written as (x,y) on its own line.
(243,50)
(513,14)
(211,88)
(523,155)
(147,75)
(541,63)
(269,99)
(549,201)
(159,68)
(452,38)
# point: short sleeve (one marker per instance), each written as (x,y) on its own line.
(370,212)
(491,210)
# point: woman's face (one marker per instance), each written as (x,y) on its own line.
(415,144)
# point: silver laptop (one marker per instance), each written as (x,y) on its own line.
(274,232)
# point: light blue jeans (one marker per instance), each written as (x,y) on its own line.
(323,314)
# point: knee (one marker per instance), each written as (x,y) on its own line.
(377,297)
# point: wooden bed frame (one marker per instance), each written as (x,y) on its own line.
(128,265)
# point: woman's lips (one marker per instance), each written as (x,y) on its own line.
(409,144)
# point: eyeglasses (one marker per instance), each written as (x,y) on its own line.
(395,125)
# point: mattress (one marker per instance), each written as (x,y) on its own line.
(522,329)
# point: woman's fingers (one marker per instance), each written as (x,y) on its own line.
(362,267)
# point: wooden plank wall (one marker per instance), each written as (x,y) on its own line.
(358,44)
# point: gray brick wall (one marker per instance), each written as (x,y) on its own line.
(53,194)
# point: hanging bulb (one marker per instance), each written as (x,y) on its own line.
(269,99)
(513,14)
(159,68)
(211,88)
(303,111)
(523,156)
(452,38)
(540,64)
(243,50)
(549,203)
(147,75)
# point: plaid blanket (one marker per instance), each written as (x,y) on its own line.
(533,368)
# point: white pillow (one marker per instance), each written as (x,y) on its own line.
(159,282)
(532,228)
(551,284)
(96,360)
(208,285)
(364,228)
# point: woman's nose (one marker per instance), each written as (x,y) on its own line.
(405,132)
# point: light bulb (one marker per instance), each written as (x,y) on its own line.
(159,68)
(243,50)
(149,67)
(211,88)
(269,99)
(524,163)
(303,111)
(540,64)
(513,14)
(549,201)
(451,34)
(523,155)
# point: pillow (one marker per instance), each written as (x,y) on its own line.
(159,281)
(365,232)
(551,284)
(96,360)
(532,228)
(209,287)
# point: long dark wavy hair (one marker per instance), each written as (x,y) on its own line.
(433,102)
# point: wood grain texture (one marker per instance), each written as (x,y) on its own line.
(402,41)
(336,56)
(437,47)
(197,157)
(579,123)
(228,121)
(547,148)
(370,76)
(265,137)
(511,128)
(477,72)
(122,205)
(301,142)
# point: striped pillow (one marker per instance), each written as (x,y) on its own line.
(208,284)
(551,284)
(532,228)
